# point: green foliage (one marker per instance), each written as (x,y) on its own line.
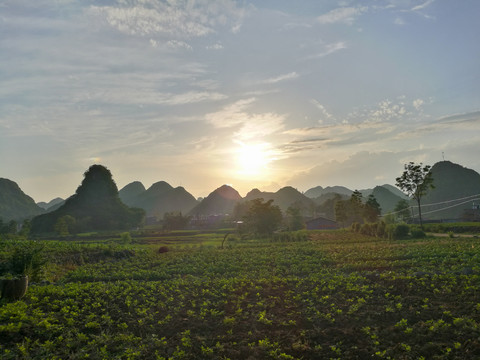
(356,227)
(460,228)
(262,218)
(175,221)
(125,238)
(416,232)
(291,236)
(335,295)
(348,212)
(64,225)
(397,231)
(416,180)
(341,214)
(27,259)
(372,209)
(402,211)
(294,219)
(8,228)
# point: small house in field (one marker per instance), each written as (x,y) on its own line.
(321,223)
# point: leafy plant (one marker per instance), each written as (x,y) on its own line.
(27,259)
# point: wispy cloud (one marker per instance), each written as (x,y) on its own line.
(346,15)
(423,5)
(323,111)
(328,50)
(277,79)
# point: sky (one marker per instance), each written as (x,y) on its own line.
(254,94)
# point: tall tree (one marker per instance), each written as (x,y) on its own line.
(356,207)
(416,180)
(341,212)
(263,218)
(294,219)
(372,209)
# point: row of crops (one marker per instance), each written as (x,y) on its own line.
(336,295)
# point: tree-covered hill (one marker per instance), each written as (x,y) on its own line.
(158,199)
(220,201)
(95,206)
(15,204)
(284,198)
(454,186)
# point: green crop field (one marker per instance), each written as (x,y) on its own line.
(334,295)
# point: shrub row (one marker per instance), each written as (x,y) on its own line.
(457,228)
(387,231)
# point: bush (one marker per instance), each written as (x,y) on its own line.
(125,238)
(397,232)
(356,227)
(418,234)
(27,259)
(381,229)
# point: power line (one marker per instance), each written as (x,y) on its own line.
(449,207)
(447,201)
(412,207)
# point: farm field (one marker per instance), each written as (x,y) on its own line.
(333,295)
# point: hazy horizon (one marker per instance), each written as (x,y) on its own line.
(264,95)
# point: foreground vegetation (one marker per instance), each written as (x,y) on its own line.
(328,295)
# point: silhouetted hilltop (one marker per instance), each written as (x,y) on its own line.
(318,191)
(129,193)
(385,198)
(158,199)
(50,204)
(395,191)
(95,206)
(15,204)
(220,201)
(452,182)
(283,198)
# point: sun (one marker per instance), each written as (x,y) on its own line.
(253,159)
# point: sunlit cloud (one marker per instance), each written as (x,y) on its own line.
(230,115)
(417,104)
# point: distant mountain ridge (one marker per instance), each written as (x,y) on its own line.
(284,198)
(452,181)
(158,199)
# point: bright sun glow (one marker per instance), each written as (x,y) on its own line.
(253,159)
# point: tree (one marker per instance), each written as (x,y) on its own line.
(262,218)
(64,225)
(416,180)
(402,210)
(294,219)
(341,212)
(371,210)
(355,207)
(175,221)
